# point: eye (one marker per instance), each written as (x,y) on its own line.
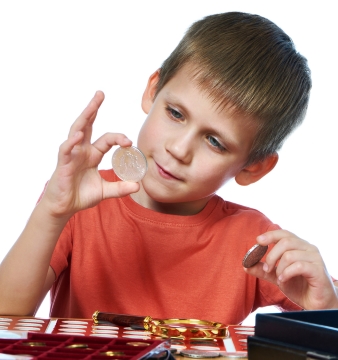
(174,113)
(215,144)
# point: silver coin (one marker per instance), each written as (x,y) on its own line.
(234,355)
(254,255)
(198,354)
(129,163)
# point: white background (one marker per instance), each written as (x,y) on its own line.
(56,54)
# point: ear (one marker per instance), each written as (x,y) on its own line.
(256,171)
(149,93)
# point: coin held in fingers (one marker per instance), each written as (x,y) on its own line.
(254,255)
(129,163)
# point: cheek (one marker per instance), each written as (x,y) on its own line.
(151,132)
(210,174)
(214,174)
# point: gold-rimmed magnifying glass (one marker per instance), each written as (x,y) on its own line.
(167,328)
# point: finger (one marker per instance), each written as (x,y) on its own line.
(284,241)
(310,255)
(108,140)
(299,268)
(88,115)
(257,271)
(300,263)
(275,236)
(67,146)
(119,188)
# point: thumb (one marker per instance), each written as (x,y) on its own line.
(258,272)
(119,188)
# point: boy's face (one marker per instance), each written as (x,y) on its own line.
(192,148)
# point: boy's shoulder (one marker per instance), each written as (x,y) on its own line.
(245,215)
(232,206)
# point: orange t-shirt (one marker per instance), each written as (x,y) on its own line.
(123,258)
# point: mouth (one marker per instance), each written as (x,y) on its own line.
(166,174)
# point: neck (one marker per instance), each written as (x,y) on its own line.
(179,208)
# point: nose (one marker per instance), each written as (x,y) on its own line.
(181,146)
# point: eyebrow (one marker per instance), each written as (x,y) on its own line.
(229,142)
(174,99)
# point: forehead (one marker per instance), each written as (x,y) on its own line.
(214,89)
(188,80)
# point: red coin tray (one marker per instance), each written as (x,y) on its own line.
(86,328)
(60,347)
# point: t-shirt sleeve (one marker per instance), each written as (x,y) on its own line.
(63,250)
(268,294)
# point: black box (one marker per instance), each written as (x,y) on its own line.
(295,335)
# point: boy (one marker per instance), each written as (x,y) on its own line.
(168,247)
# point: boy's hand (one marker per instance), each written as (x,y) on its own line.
(298,269)
(76,183)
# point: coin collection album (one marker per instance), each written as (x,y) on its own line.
(85,338)
(295,335)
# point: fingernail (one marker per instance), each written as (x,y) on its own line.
(265,267)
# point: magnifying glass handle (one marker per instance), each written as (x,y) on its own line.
(122,319)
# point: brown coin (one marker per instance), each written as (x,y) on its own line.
(129,163)
(112,353)
(77,346)
(137,343)
(33,343)
(254,255)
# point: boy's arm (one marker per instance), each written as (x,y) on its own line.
(75,185)
(298,269)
